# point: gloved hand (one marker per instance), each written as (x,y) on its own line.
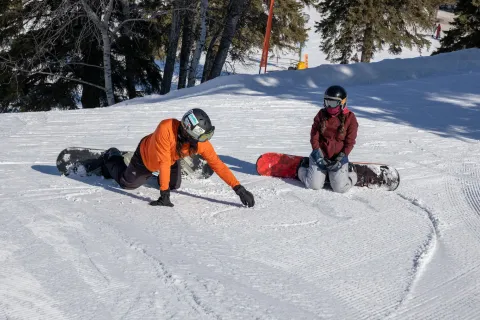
(317,156)
(164,199)
(338,162)
(245,196)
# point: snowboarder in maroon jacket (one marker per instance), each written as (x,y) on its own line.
(332,137)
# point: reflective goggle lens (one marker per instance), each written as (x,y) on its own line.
(206,136)
(333,102)
(328,103)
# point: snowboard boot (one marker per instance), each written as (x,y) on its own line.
(106,157)
(304,163)
(112,152)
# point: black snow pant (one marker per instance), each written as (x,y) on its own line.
(136,174)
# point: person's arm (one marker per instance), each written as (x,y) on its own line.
(207,151)
(163,136)
(351,134)
(315,132)
(162,147)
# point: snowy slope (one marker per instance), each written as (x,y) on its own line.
(75,248)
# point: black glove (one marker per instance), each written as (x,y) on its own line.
(338,162)
(245,196)
(164,199)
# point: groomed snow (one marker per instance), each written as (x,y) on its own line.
(81,248)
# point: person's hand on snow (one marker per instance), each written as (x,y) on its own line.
(245,196)
(318,158)
(338,162)
(164,199)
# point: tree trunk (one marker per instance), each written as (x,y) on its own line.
(187,41)
(172,49)
(129,59)
(367,45)
(210,56)
(235,10)
(192,72)
(107,67)
(102,25)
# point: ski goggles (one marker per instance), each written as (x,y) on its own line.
(333,102)
(200,134)
(206,136)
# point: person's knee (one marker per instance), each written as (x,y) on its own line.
(343,185)
(128,186)
(315,184)
(129,182)
(302,174)
(341,189)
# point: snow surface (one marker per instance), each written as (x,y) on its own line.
(82,248)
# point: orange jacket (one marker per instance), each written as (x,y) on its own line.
(159,154)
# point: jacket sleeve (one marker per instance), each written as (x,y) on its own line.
(217,165)
(162,146)
(351,135)
(315,132)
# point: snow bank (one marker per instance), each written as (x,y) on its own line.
(386,71)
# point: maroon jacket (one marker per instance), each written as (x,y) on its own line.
(332,142)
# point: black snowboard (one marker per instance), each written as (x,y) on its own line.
(88,162)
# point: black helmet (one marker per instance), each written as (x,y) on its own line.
(335,96)
(197,125)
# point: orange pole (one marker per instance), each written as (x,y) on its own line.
(266,41)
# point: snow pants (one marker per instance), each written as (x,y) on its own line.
(136,174)
(313,177)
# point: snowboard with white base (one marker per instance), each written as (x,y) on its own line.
(88,161)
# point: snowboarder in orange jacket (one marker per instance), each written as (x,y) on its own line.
(161,151)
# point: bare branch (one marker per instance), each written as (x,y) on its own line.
(92,15)
(30,72)
(108,11)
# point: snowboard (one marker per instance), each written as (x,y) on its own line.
(371,175)
(88,162)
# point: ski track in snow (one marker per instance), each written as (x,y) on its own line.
(180,288)
(424,254)
(472,186)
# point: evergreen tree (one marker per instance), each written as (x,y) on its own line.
(288,29)
(349,27)
(340,37)
(465,32)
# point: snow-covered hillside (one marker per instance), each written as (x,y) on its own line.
(81,248)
